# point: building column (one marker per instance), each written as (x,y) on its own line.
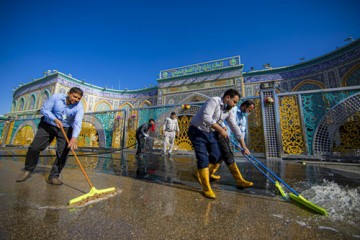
(271,121)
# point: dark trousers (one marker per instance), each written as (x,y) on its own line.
(226,153)
(140,145)
(205,146)
(44,136)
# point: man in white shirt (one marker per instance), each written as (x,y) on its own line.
(202,130)
(227,155)
(170,129)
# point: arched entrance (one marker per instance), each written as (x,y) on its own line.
(330,124)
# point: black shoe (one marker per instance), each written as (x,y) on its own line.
(55,181)
(25,176)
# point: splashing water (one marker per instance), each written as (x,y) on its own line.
(342,202)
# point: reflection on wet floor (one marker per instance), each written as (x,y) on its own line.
(335,187)
(178,170)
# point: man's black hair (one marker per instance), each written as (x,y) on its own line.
(247,103)
(76,90)
(151,120)
(232,93)
(173,113)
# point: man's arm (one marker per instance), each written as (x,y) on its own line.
(76,128)
(246,151)
(220,130)
(177,127)
(143,128)
(164,126)
(240,135)
(231,120)
(47,108)
(208,114)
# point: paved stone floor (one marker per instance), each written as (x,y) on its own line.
(157,198)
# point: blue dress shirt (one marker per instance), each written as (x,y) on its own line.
(70,115)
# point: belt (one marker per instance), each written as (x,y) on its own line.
(207,130)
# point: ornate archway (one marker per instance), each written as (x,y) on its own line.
(145,103)
(102,105)
(195,97)
(352,77)
(25,133)
(308,85)
(92,132)
(324,134)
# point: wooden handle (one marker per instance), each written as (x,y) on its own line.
(77,160)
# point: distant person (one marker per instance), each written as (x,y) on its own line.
(170,129)
(204,128)
(226,153)
(60,110)
(142,134)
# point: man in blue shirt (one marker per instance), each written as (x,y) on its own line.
(60,110)
(227,155)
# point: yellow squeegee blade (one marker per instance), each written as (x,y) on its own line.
(92,195)
(281,190)
(301,200)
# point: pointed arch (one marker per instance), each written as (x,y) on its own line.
(308,85)
(351,77)
(21,104)
(24,133)
(32,102)
(325,132)
(102,105)
(84,104)
(45,95)
(14,105)
(97,130)
(126,105)
(63,90)
(145,103)
(195,97)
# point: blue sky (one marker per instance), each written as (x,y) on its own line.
(126,43)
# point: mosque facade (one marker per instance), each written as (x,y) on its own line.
(336,72)
(197,82)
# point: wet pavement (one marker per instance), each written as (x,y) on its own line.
(157,198)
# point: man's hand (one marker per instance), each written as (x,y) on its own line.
(58,123)
(224,133)
(73,143)
(220,130)
(246,151)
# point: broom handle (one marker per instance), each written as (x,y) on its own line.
(77,160)
(268,170)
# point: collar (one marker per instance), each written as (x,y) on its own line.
(222,101)
(63,98)
(222,104)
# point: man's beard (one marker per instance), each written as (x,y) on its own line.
(228,107)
